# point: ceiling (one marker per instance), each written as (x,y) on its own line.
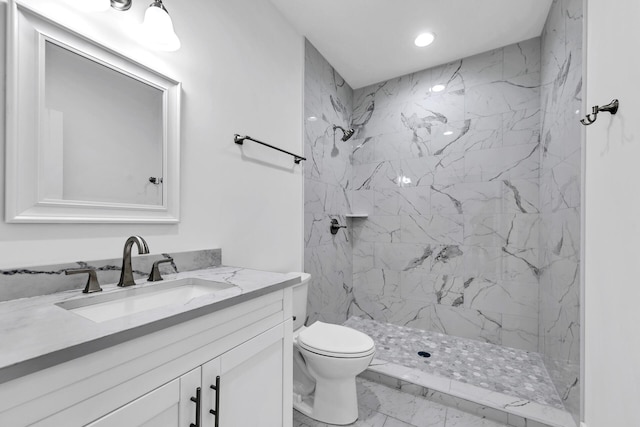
(369,41)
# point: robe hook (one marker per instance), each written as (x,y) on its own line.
(611,107)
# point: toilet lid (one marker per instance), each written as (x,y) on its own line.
(335,340)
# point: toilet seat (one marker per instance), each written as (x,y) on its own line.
(335,341)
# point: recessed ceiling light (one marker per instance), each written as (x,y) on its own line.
(447,133)
(312,118)
(438,88)
(424,39)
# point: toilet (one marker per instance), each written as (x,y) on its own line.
(327,359)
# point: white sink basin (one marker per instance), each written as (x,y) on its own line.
(113,305)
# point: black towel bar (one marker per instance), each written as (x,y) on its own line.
(240,139)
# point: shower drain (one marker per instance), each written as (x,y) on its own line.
(424,354)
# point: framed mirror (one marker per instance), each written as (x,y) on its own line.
(92,136)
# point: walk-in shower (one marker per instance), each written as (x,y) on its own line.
(480,239)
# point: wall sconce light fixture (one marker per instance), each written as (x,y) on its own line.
(157,27)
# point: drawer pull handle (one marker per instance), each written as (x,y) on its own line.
(216,412)
(197,400)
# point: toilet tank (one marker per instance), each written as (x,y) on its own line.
(300,300)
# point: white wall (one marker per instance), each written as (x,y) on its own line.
(241,66)
(612,217)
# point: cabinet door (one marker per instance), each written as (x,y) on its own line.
(250,386)
(166,406)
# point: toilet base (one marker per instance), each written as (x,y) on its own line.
(300,405)
(328,406)
(305,406)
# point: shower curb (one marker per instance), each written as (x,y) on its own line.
(513,411)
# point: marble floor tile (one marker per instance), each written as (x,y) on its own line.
(405,407)
(366,418)
(382,406)
(456,418)
(392,422)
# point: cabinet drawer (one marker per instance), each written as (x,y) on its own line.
(157,408)
(170,405)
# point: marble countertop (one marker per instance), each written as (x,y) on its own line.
(35,333)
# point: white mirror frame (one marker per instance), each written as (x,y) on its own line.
(28,32)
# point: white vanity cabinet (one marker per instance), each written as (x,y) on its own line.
(153,380)
(248,378)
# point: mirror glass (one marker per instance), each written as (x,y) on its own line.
(92,135)
(103,133)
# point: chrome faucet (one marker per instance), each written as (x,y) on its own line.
(126,275)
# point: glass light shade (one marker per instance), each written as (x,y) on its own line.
(93,5)
(158,29)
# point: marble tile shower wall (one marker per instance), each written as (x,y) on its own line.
(450,180)
(328,102)
(560,198)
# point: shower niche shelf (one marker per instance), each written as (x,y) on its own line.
(357,215)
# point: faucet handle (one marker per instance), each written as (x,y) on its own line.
(92,282)
(155,275)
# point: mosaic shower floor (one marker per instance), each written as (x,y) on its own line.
(505,370)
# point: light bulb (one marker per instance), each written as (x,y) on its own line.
(158,28)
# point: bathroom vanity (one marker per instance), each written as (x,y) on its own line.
(219,359)
(204,347)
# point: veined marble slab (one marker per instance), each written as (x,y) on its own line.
(451,182)
(36,333)
(328,102)
(560,181)
(48,279)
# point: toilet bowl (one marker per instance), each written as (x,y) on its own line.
(327,359)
